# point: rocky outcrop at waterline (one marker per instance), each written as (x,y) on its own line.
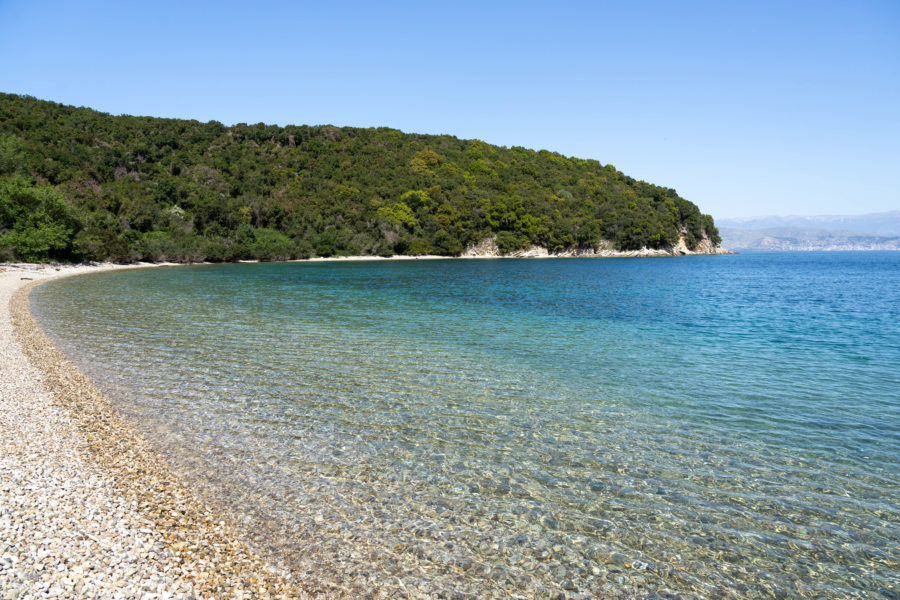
(488,248)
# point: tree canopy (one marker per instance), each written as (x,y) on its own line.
(77,184)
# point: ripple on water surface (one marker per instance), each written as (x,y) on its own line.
(719,426)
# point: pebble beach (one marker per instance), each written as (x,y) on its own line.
(86,509)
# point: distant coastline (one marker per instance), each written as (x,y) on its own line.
(875,231)
(796,240)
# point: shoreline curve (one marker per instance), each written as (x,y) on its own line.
(90,508)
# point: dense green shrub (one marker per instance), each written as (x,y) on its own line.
(77,184)
(36,222)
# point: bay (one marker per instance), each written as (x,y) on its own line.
(714,426)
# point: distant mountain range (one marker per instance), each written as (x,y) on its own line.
(874,231)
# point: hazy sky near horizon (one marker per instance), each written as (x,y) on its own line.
(744,108)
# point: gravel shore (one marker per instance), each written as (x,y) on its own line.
(86,509)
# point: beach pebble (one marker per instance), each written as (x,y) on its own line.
(77,519)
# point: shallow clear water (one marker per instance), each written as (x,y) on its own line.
(714,426)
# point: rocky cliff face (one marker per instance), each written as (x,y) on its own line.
(487,248)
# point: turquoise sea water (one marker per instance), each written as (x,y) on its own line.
(724,426)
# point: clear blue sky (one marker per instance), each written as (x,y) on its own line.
(745,108)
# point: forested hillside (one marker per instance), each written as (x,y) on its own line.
(77,184)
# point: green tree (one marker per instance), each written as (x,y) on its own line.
(269,244)
(399,213)
(36,224)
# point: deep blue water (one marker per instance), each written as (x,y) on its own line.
(720,426)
